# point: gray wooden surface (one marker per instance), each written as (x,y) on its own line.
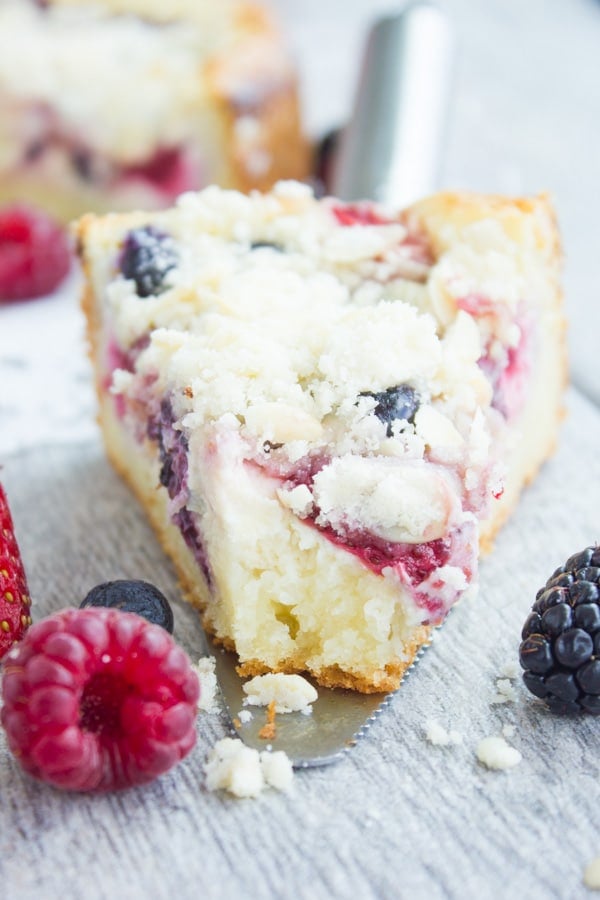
(398,817)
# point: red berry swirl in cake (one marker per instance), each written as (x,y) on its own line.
(327,394)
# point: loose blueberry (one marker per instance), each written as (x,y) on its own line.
(394,404)
(148,255)
(133,596)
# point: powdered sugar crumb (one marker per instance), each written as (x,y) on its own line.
(495,753)
(245,716)
(437,735)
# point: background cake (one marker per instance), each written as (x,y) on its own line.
(320,406)
(121,104)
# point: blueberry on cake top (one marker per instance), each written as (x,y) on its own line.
(124,104)
(326,408)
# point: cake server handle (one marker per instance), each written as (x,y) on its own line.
(391,149)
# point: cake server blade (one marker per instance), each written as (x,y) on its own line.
(389,152)
(338,718)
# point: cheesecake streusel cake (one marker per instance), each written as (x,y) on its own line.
(124,104)
(326,408)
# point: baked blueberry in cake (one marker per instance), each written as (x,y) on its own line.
(326,408)
(124,104)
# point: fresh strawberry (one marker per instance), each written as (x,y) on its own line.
(15,615)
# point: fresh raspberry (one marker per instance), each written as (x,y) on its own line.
(14,595)
(34,253)
(98,699)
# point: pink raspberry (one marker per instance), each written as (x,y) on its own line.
(98,699)
(34,253)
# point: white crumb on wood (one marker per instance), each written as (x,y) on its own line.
(495,753)
(510,670)
(243,771)
(505,691)
(437,735)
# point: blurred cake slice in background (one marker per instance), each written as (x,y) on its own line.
(124,104)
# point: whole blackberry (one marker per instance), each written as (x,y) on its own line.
(148,254)
(560,650)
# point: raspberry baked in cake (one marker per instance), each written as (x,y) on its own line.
(124,104)
(325,408)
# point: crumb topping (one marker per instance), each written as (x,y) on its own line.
(159,65)
(282,693)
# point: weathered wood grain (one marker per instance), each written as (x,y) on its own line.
(397,817)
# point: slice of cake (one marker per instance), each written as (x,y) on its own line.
(320,406)
(124,104)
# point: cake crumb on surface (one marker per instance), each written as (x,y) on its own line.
(243,771)
(277,769)
(290,693)
(495,753)
(591,874)
(510,670)
(509,731)
(505,691)
(437,735)
(205,670)
(245,716)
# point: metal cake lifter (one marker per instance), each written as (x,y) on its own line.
(389,152)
